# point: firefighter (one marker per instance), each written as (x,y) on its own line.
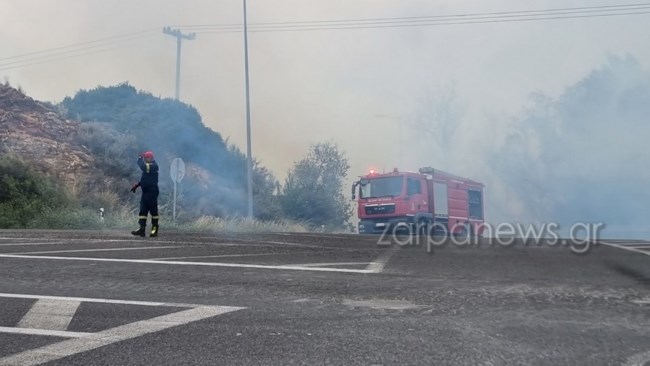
(149,200)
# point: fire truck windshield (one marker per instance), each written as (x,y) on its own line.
(381,187)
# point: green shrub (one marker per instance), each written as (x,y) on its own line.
(26,194)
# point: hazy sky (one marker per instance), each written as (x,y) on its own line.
(352,86)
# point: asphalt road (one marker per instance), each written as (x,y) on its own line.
(106,298)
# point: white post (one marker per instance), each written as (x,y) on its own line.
(249,161)
(174,210)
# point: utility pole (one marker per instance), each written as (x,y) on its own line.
(179,36)
(249,162)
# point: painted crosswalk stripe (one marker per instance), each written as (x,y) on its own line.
(101,301)
(44,332)
(49,314)
(71,347)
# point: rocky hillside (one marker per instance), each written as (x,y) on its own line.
(36,133)
(91,141)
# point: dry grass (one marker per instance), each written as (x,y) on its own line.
(241,225)
(124,217)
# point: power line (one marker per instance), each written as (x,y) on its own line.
(415,24)
(608,9)
(62,56)
(73,50)
(83,48)
(363,26)
(481,17)
(45,57)
(100,41)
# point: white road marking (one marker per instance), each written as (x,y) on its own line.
(252,243)
(71,347)
(43,332)
(334,264)
(382,304)
(70,239)
(98,250)
(103,301)
(265,244)
(242,242)
(316,235)
(71,242)
(641,302)
(252,254)
(35,243)
(375,267)
(640,359)
(290,244)
(224,256)
(22,238)
(49,314)
(625,247)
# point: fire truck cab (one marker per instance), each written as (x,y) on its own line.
(431,200)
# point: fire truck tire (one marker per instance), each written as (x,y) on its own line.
(463,231)
(365,232)
(470,231)
(423,227)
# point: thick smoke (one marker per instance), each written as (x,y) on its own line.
(216,170)
(579,157)
(583,156)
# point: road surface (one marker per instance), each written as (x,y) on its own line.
(107,298)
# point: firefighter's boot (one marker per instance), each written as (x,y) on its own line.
(139,232)
(154,231)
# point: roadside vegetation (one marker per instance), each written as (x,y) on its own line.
(118,123)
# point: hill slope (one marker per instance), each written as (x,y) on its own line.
(35,132)
(120,122)
(93,150)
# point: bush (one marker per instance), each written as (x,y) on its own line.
(26,194)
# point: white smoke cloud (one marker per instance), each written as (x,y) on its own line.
(332,85)
(579,157)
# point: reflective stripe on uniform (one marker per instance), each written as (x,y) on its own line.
(154,217)
(148,165)
(142,217)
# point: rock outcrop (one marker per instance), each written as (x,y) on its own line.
(35,132)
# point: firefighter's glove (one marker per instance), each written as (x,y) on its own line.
(134,187)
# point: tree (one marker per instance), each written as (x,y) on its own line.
(266,187)
(313,190)
(581,156)
(438,123)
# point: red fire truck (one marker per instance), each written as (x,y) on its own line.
(427,201)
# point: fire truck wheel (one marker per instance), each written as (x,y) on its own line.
(423,227)
(463,231)
(470,231)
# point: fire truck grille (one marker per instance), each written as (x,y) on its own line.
(380,209)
